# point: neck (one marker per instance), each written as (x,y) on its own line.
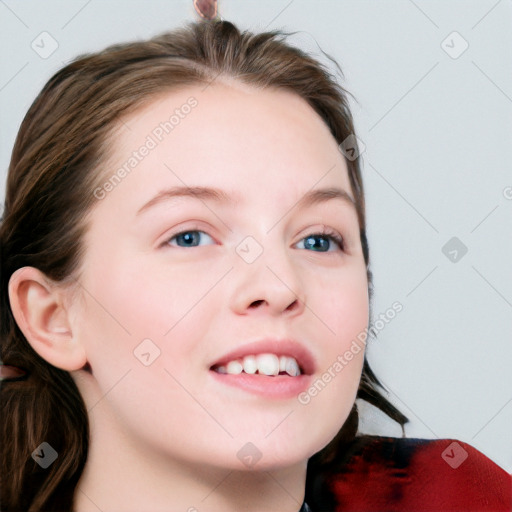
(120,475)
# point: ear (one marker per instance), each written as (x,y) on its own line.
(39,308)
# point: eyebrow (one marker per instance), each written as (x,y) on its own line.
(202,193)
(322,195)
(311,198)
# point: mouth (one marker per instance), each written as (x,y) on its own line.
(270,368)
(270,357)
(261,364)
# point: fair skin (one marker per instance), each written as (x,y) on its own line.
(166,436)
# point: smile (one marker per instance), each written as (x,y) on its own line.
(261,364)
(271,368)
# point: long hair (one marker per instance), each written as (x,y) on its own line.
(56,164)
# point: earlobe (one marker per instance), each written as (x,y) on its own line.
(39,309)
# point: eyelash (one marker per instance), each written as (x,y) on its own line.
(327,233)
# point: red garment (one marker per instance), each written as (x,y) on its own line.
(387,474)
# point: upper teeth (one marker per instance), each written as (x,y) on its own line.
(266,364)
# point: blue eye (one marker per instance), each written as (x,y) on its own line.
(189,238)
(321,242)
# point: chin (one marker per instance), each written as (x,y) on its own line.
(278,454)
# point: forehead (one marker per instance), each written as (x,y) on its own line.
(232,136)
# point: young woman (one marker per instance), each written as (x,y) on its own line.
(185,281)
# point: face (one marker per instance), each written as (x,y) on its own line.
(180,286)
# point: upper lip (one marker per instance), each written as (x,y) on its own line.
(279,347)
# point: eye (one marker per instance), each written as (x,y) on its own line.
(322,242)
(190,238)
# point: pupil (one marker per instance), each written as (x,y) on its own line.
(189,238)
(311,243)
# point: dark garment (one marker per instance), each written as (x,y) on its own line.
(305,508)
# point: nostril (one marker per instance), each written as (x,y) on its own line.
(256,303)
(293,305)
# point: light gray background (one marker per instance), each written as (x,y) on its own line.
(436,165)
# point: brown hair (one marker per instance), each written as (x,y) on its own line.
(53,171)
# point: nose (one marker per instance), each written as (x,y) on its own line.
(270,285)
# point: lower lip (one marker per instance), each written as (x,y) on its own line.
(278,387)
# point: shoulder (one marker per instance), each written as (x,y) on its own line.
(401,474)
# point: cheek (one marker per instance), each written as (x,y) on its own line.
(148,300)
(348,313)
(134,318)
(342,304)
(135,309)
